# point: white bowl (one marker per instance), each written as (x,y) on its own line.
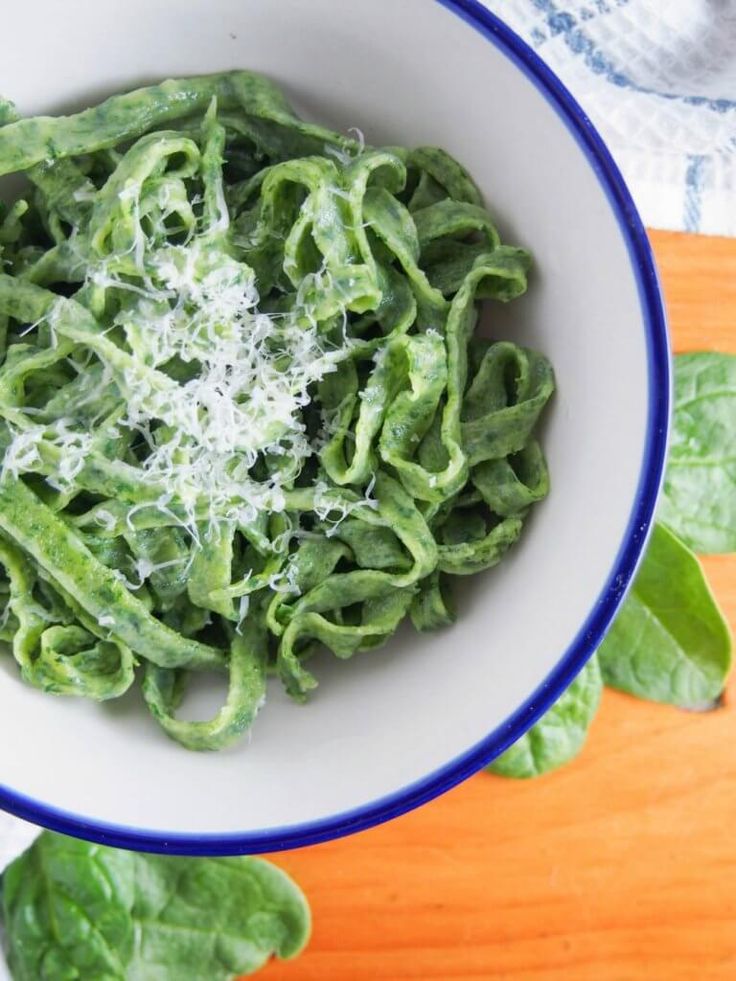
(387,730)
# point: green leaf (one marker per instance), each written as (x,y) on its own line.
(66,911)
(76,911)
(669,642)
(699,495)
(561,732)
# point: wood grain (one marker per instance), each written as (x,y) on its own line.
(619,868)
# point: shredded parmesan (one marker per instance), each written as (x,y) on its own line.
(251,374)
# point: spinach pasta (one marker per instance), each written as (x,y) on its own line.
(244,410)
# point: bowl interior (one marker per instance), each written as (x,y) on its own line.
(411,73)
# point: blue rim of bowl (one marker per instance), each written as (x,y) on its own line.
(590,634)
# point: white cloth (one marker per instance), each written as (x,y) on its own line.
(658,80)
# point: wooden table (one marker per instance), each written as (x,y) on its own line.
(620,867)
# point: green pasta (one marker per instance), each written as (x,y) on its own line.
(244,410)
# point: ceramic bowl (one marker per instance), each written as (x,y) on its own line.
(390,729)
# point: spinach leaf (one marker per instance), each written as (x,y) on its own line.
(66,911)
(75,910)
(560,734)
(699,495)
(669,642)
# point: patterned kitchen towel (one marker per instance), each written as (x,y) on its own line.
(658,80)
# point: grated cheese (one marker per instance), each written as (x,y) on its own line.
(203,436)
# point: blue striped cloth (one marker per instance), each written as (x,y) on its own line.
(658,80)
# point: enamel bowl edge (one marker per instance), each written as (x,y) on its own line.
(391,729)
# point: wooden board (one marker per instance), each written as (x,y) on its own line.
(619,868)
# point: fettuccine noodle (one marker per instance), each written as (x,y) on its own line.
(244,410)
